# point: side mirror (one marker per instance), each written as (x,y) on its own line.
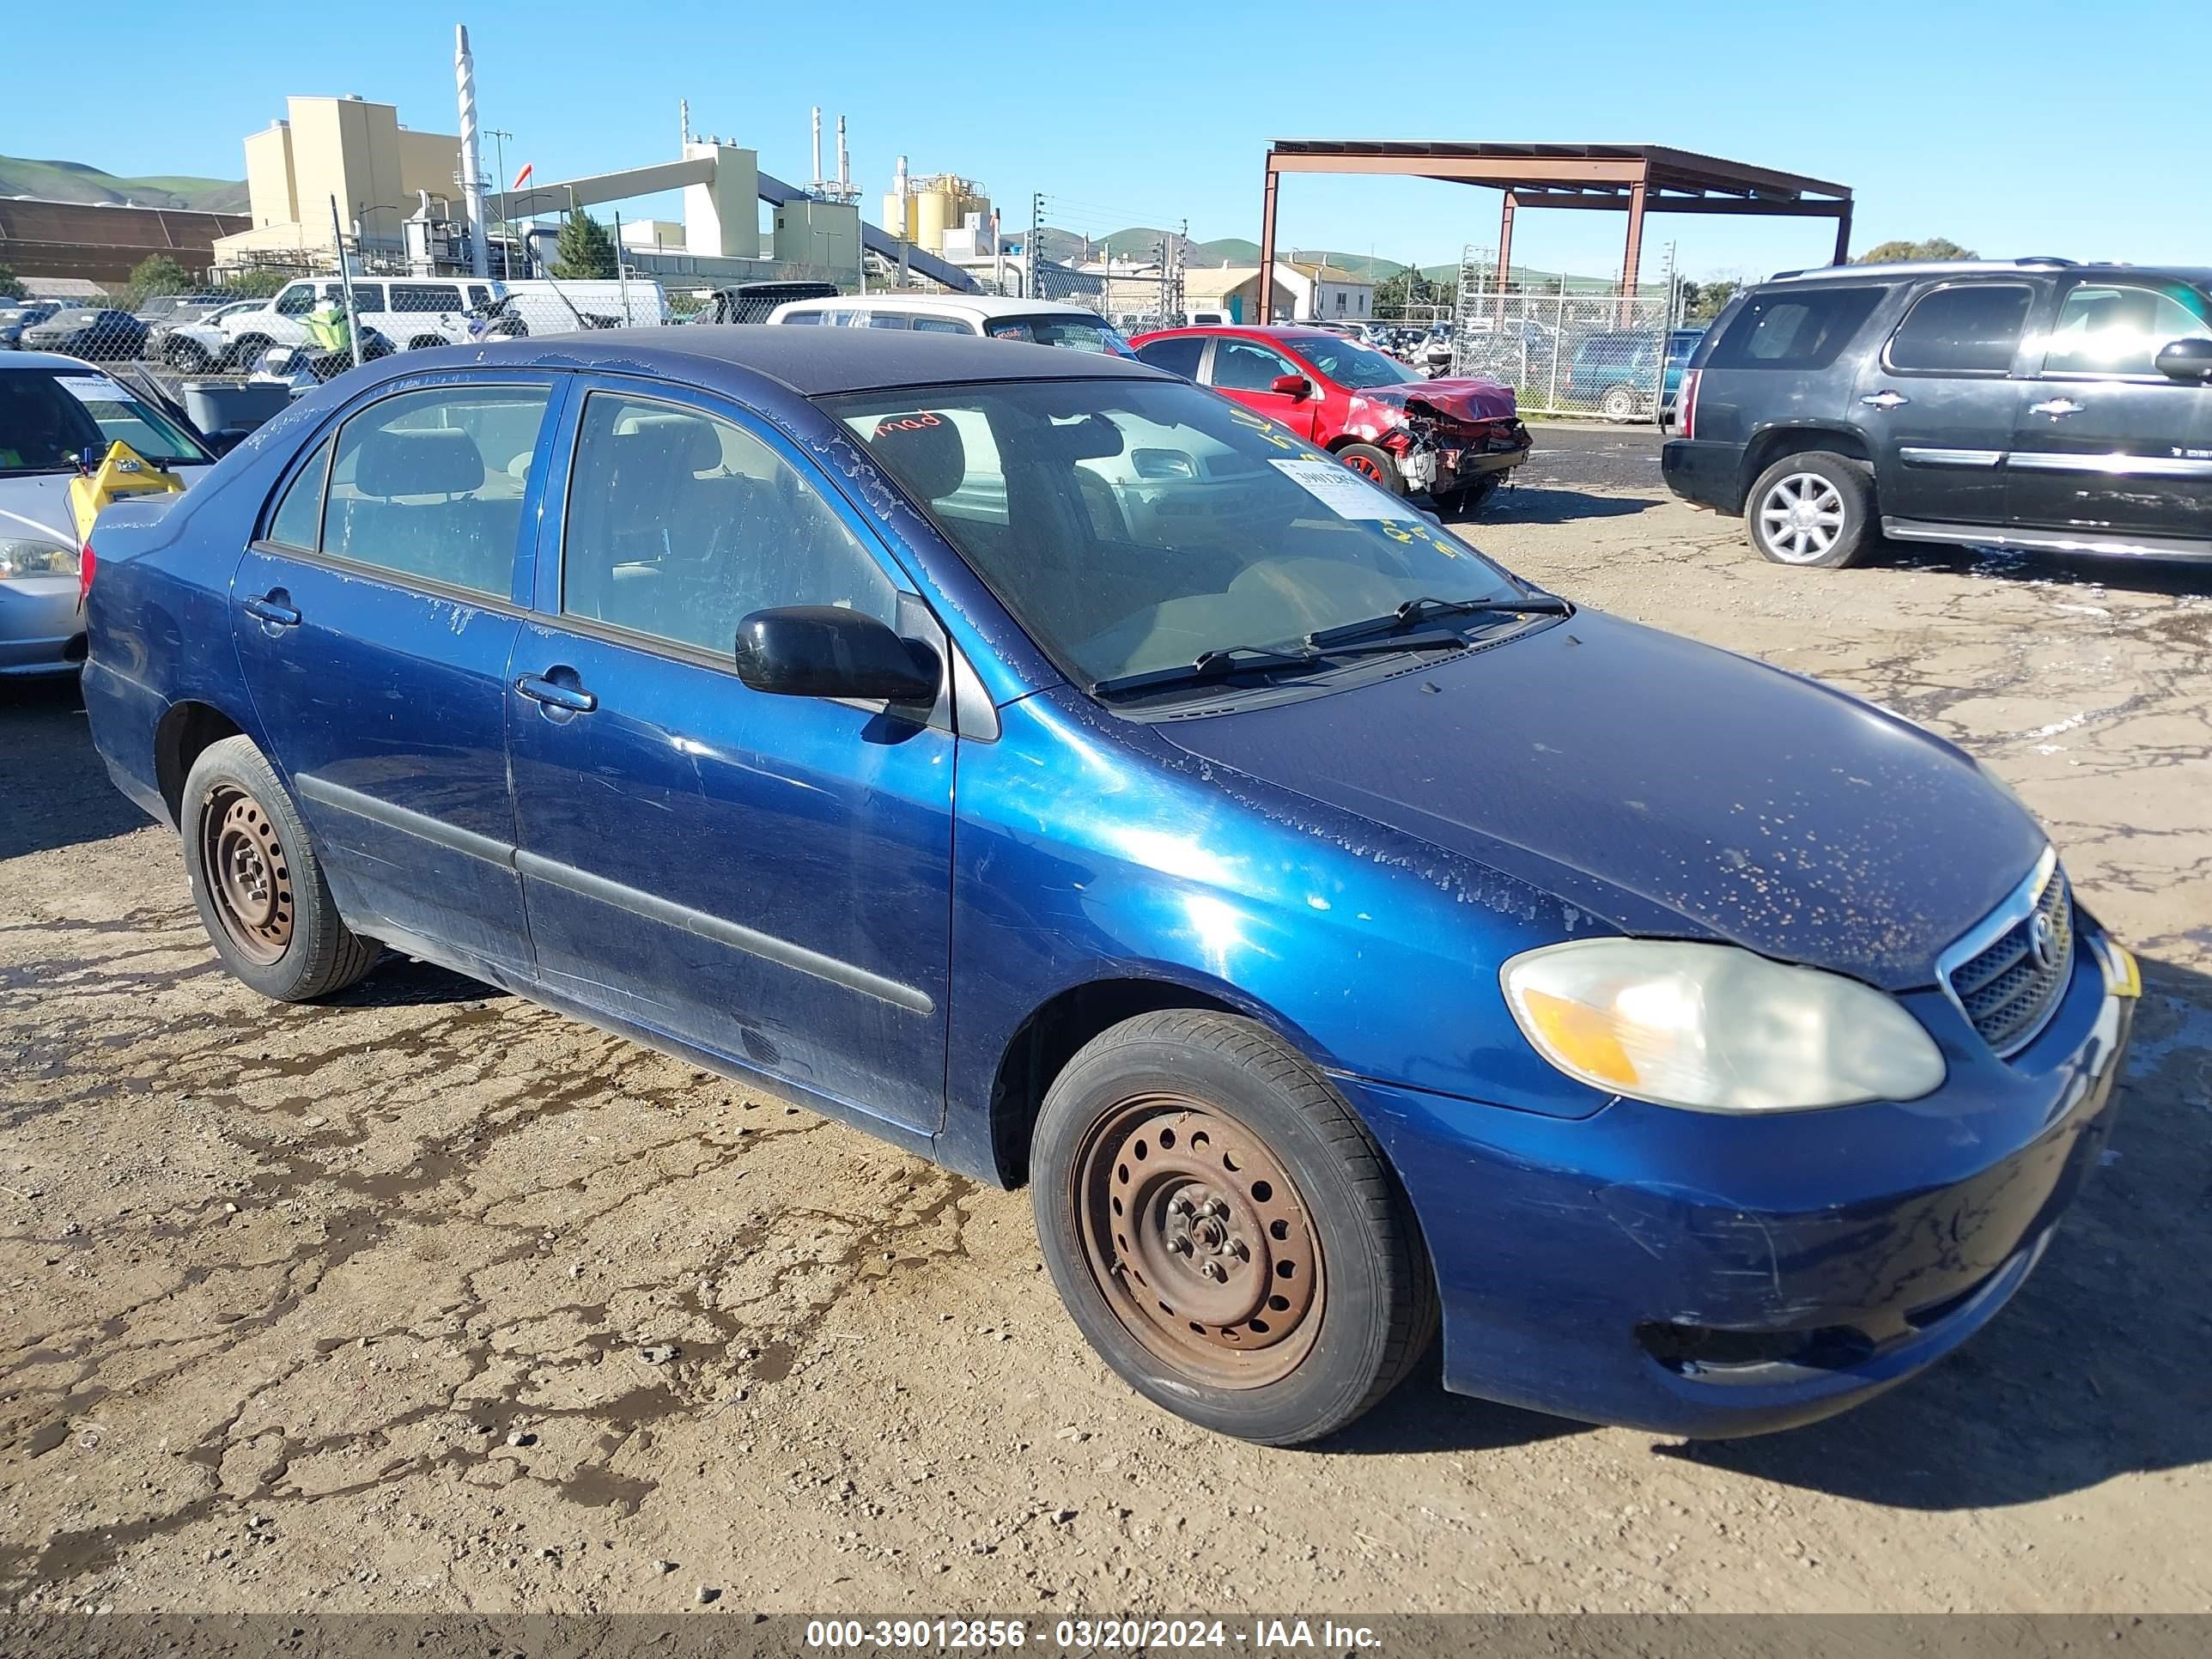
(825,651)
(2186,359)
(1292,386)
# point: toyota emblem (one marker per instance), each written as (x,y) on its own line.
(2041,943)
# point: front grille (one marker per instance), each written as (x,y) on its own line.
(2009,989)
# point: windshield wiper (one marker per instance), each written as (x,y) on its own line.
(1415,613)
(1210,665)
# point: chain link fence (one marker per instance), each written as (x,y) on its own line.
(1570,351)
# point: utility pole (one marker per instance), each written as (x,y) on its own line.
(1029,248)
(1175,291)
(1167,319)
(499,140)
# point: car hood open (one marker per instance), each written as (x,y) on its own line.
(1460,399)
(1668,787)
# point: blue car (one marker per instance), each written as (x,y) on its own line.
(1072,777)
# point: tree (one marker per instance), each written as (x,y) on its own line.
(583,249)
(158,274)
(1935,247)
(1702,302)
(1398,293)
(11,285)
(252,284)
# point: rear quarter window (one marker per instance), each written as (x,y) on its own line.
(1795,328)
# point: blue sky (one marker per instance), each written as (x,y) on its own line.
(2013,128)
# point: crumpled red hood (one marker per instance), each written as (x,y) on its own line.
(1466,399)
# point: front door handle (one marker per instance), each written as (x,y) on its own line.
(1884,399)
(273,609)
(572,698)
(2057,408)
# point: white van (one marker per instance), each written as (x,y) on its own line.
(553,307)
(408,311)
(1041,321)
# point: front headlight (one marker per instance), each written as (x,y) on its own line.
(1715,1028)
(35,559)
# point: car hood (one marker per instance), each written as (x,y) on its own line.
(1667,787)
(1467,399)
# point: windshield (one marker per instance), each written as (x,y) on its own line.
(1136,525)
(49,417)
(1077,333)
(1349,363)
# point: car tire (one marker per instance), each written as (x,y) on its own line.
(1376,465)
(1618,404)
(1814,510)
(1469,499)
(259,884)
(424,342)
(187,358)
(1225,1231)
(245,353)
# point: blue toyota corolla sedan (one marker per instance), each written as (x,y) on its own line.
(1075,778)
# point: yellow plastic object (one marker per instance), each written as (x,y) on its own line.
(125,473)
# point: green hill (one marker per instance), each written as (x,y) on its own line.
(73,181)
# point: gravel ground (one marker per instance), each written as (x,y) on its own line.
(431,1301)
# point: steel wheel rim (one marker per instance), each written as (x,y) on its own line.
(1800,518)
(248,874)
(1365,467)
(1200,1241)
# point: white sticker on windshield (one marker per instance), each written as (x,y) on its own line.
(92,389)
(1343,491)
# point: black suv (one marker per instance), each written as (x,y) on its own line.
(2038,403)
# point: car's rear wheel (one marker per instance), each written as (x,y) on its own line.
(424,342)
(1618,404)
(258,882)
(248,352)
(1814,509)
(1225,1231)
(1377,466)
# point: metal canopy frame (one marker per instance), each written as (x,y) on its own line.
(1639,179)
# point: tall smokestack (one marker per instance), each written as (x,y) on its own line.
(465,81)
(844,164)
(818,149)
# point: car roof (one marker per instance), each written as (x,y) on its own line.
(1905,270)
(810,362)
(1257,330)
(982,306)
(50,360)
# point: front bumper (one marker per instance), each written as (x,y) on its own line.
(1708,1276)
(40,631)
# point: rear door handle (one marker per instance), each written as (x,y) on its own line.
(2056,408)
(273,611)
(1884,399)
(575,699)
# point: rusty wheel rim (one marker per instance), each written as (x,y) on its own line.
(248,873)
(1200,1241)
(1365,467)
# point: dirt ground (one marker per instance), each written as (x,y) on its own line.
(430,1300)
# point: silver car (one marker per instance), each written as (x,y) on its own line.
(53,412)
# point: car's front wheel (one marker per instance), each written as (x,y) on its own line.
(1618,404)
(1814,509)
(257,883)
(1377,466)
(1225,1231)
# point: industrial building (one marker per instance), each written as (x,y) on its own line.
(344,148)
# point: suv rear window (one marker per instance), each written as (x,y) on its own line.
(1794,328)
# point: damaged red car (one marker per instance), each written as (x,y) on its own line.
(1454,440)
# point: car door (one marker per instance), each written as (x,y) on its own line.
(373,619)
(1939,400)
(1245,371)
(765,877)
(2106,444)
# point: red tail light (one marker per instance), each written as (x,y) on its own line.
(85,563)
(1685,399)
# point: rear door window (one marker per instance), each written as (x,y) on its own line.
(430,484)
(1243,365)
(425,296)
(1968,328)
(1795,328)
